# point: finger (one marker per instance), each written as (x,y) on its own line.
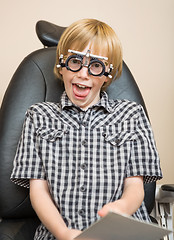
(102,212)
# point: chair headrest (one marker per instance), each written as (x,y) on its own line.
(48,33)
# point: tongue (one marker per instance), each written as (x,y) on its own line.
(81,92)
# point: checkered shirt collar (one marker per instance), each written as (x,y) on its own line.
(65,102)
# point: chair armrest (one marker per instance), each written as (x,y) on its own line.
(165,193)
(163,210)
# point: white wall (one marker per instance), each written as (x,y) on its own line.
(146,30)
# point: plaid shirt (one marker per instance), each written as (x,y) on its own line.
(85,155)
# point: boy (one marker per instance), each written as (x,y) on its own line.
(86,155)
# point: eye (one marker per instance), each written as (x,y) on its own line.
(96,65)
(75,61)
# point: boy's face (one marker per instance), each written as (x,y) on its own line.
(82,88)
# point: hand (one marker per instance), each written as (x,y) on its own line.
(70,234)
(117,206)
(131,199)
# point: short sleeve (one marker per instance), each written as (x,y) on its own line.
(27,162)
(144,159)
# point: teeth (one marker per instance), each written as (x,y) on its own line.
(80,86)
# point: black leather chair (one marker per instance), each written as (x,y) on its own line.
(33,82)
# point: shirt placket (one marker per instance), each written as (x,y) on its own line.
(83,162)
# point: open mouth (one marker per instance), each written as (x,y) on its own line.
(81,90)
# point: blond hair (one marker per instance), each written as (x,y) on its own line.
(102,38)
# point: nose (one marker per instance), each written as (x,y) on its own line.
(83,73)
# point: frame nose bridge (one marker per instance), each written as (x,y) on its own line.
(85,62)
(84,71)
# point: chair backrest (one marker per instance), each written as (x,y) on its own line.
(34,81)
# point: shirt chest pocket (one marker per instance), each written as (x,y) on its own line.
(118,139)
(51,134)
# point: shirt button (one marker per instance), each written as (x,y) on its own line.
(117,141)
(84,142)
(104,134)
(84,124)
(83,166)
(82,189)
(81,212)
